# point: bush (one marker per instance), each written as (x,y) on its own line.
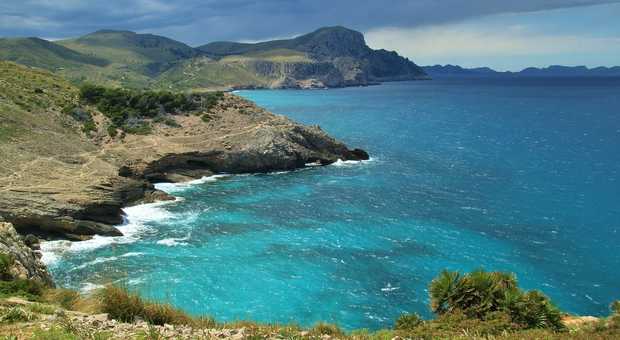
(161,314)
(408,322)
(112,131)
(5,263)
(15,315)
(124,306)
(121,105)
(25,288)
(120,305)
(615,307)
(480,293)
(322,328)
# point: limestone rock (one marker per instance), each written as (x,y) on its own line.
(23,262)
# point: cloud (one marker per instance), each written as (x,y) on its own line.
(200,21)
(473,44)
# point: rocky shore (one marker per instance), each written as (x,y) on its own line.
(58,182)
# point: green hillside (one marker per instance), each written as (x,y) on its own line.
(127,47)
(328,57)
(44,54)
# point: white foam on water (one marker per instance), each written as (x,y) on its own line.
(341,163)
(174,242)
(171,188)
(136,223)
(105,259)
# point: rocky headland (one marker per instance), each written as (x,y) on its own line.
(58,181)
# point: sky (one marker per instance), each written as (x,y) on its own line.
(503,34)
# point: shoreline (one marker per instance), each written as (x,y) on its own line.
(135,216)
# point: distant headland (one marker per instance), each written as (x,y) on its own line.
(437,71)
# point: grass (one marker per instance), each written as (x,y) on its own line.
(28,289)
(450,323)
(124,306)
(15,315)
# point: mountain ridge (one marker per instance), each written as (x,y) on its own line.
(328,57)
(549,71)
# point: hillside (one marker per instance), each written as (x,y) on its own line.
(71,159)
(44,54)
(328,57)
(339,57)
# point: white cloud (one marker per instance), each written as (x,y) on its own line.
(455,43)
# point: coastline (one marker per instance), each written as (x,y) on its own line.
(136,216)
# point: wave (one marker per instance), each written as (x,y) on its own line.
(174,242)
(172,188)
(136,223)
(341,163)
(105,259)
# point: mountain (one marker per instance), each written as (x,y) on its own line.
(551,71)
(338,57)
(328,57)
(130,48)
(44,54)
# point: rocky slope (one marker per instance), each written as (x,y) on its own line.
(18,260)
(328,57)
(55,180)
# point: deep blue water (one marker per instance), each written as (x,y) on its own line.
(518,175)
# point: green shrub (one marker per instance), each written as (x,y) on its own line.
(15,315)
(5,263)
(205,118)
(124,306)
(161,314)
(119,304)
(408,322)
(480,293)
(25,288)
(112,131)
(89,127)
(120,105)
(322,328)
(615,307)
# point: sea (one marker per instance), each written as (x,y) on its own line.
(502,174)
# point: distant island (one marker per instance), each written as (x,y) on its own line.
(327,57)
(438,71)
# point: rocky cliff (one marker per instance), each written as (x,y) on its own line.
(56,180)
(18,260)
(332,57)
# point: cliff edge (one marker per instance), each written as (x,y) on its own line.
(60,177)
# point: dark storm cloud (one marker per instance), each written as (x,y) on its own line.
(199,21)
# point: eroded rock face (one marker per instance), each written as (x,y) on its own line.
(78,194)
(23,262)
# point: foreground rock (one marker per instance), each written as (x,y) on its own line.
(19,261)
(55,181)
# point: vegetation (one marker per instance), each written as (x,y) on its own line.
(475,305)
(124,306)
(25,288)
(5,263)
(17,314)
(480,294)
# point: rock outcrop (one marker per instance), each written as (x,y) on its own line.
(55,181)
(18,260)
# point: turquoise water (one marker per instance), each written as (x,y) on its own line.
(504,174)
